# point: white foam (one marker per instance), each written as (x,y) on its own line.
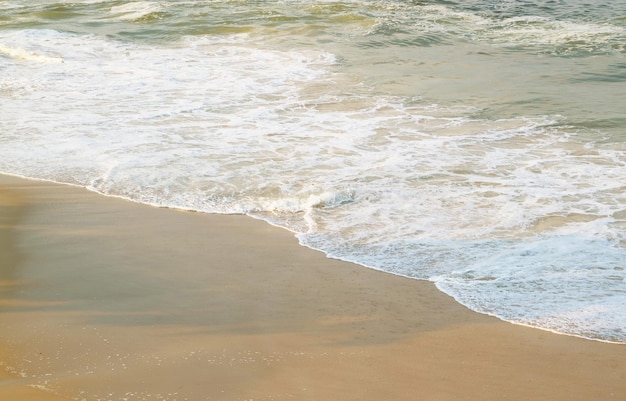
(136,10)
(27,55)
(541,31)
(113,87)
(570,284)
(550,35)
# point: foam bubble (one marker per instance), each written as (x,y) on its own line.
(570,284)
(27,55)
(137,10)
(547,34)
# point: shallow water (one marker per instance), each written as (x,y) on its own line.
(479,145)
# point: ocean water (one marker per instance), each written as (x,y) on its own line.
(480,145)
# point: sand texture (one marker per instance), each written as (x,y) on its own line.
(104,299)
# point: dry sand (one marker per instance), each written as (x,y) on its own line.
(104,299)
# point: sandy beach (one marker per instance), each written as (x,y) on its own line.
(105,299)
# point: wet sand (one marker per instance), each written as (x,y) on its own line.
(104,299)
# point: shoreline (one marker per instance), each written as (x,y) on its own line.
(188,210)
(104,297)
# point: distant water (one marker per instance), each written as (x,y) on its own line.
(477,144)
